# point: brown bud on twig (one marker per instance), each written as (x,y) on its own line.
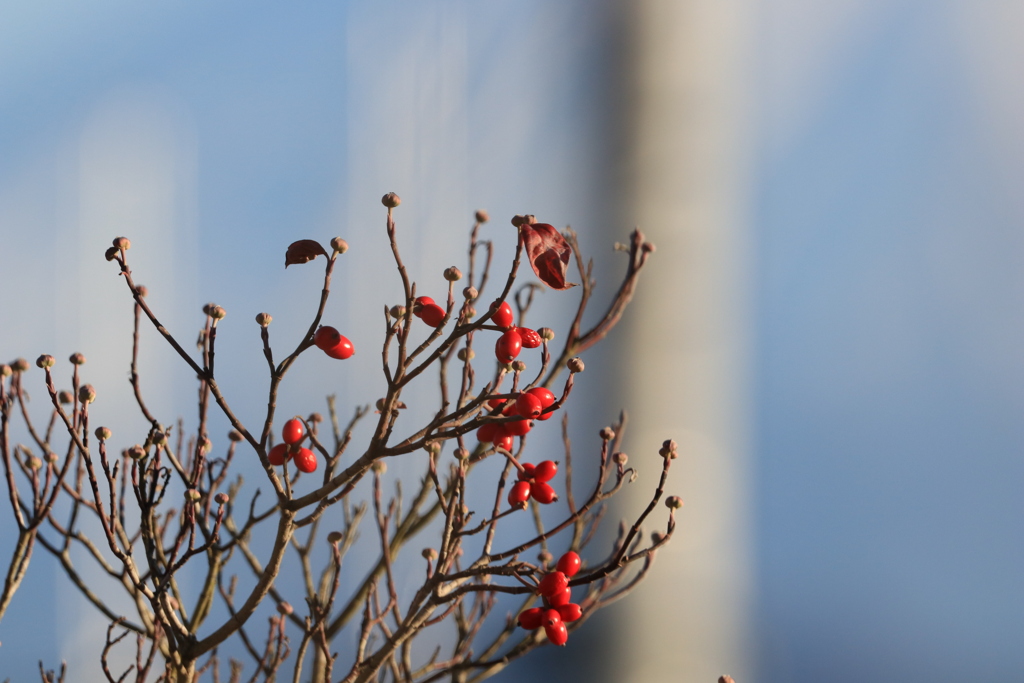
(482,216)
(86,394)
(315,418)
(50,457)
(649,248)
(122,243)
(19,365)
(391,200)
(102,433)
(136,452)
(470,293)
(397,312)
(159,438)
(518,366)
(284,608)
(607,434)
(657,537)
(432,447)
(379,467)
(218,312)
(5,370)
(192,495)
(65,397)
(205,445)
(673,502)
(45,361)
(469,312)
(335,537)
(141,289)
(429,553)
(461,454)
(208,307)
(222,498)
(620,458)
(465,354)
(546,333)
(235,435)
(725,679)
(34,463)
(77,359)
(111,253)
(669,449)
(264,319)
(452,274)
(575,364)
(339,245)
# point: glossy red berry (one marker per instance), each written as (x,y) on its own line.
(555,628)
(528,405)
(419,303)
(546,398)
(342,350)
(502,314)
(487,432)
(570,612)
(552,583)
(305,460)
(496,402)
(560,598)
(519,494)
(278,455)
(532,618)
(531,339)
(326,338)
(543,493)
(569,564)
(293,431)
(545,471)
(432,315)
(518,427)
(526,473)
(503,440)
(508,346)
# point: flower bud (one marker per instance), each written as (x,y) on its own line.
(482,216)
(284,608)
(77,359)
(315,418)
(669,449)
(159,438)
(208,307)
(452,274)
(222,498)
(205,445)
(51,458)
(5,370)
(470,293)
(657,537)
(335,537)
(102,433)
(86,394)
(607,434)
(469,312)
(432,447)
(218,313)
(518,366)
(379,467)
(122,243)
(34,463)
(264,319)
(518,220)
(461,454)
(465,354)
(339,245)
(192,495)
(648,248)
(544,557)
(65,397)
(397,312)
(391,200)
(141,289)
(575,364)
(136,452)
(111,253)
(235,435)
(45,361)
(673,502)
(546,333)
(380,404)
(429,553)
(20,365)
(620,458)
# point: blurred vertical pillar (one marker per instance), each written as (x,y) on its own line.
(686,167)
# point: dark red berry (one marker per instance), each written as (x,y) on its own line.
(496,402)
(503,315)
(503,440)
(432,314)
(531,339)
(554,627)
(278,455)
(342,350)
(545,471)
(552,583)
(532,618)
(326,338)
(526,473)
(305,460)
(528,405)
(508,346)
(543,493)
(546,400)
(560,598)
(570,612)
(487,432)
(569,564)
(293,431)
(418,304)
(518,494)
(518,427)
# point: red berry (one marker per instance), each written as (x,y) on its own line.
(278,455)
(487,432)
(547,399)
(545,471)
(560,598)
(293,431)
(432,314)
(419,303)
(531,339)
(326,338)
(555,628)
(552,583)
(342,350)
(543,493)
(503,440)
(532,618)
(518,427)
(518,494)
(526,473)
(528,405)
(569,563)
(570,612)
(496,402)
(503,315)
(305,460)
(508,346)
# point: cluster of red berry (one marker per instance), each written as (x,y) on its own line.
(293,435)
(333,343)
(426,310)
(557,610)
(533,482)
(529,405)
(514,339)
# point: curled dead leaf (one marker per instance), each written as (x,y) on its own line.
(303,251)
(548,253)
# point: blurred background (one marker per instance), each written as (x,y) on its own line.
(831,327)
